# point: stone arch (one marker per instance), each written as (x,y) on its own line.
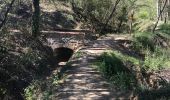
(63,54)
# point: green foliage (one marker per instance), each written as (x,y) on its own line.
(97,13)
(156,60)
(146,9)
(123,80)
(164,28)
(37,91)
(29,92)
(30,56)
(143,15)
(156,57)
(42,89)
(78,54)
(112,66)
(144,25)
(143,40)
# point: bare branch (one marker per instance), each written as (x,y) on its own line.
(6,14)
(111,15)
(161,11)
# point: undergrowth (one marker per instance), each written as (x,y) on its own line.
(157,60)
(164,28)
(113,66)
(120,69)
(43,89)
(143,40)
(156,56)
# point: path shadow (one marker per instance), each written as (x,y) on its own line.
(123,46)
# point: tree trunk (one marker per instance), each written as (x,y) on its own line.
(111,15)
(157,7)
(36,18)
(160,14)
(130,20)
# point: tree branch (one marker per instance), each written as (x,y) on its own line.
(6,14)
(161,11)
(111,15)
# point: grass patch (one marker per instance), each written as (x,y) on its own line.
(78,54)
(156,56)
(157,60)
(123,80)
(112,65)
(120,69)
(143,40)
(164,28)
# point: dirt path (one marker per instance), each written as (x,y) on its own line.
(84,82)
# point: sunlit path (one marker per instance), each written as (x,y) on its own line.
(83,82)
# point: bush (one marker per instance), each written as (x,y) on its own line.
(123,80)
(164,28)
(112,66)
(97,13)
(143,14)
(38,90)
(156,57)
(156,60)
(144,25)
(43,89)
(143,40)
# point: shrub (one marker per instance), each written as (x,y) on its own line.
(123,80)
(112,66)
(38,90)
(164,28)
(143,40)
(143,14)
(144,25)
(42,89)
(156,60)
(156,57)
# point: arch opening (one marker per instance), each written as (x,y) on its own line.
(63,54)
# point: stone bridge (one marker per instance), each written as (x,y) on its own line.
(68,38)
(72,39)
(62,43)
(65,42)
